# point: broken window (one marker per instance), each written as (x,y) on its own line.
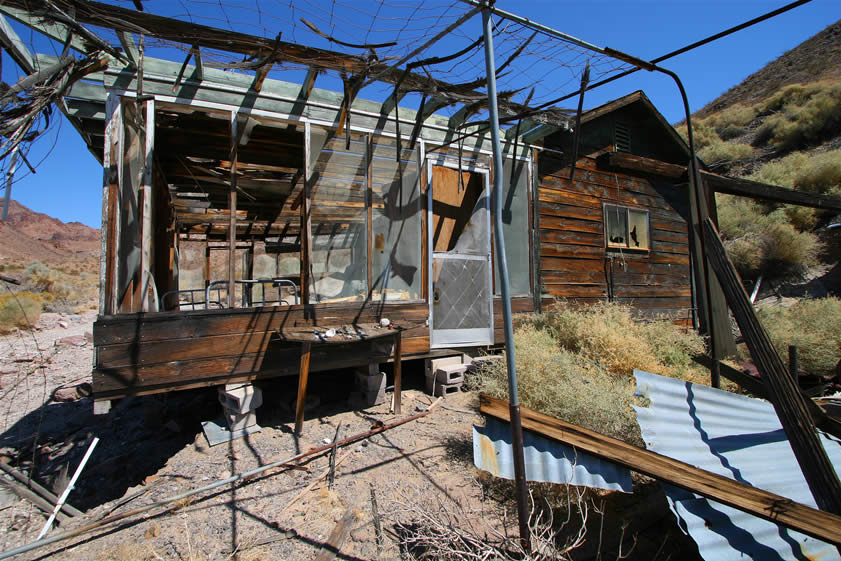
(339,217)
(626,227)
(396,223)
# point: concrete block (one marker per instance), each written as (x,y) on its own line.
(433,364)
(240,398)
(240,421)
(370,382)
(446,389)
(451,373)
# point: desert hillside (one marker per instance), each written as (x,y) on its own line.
(33,236)
(816,59)
(781,126)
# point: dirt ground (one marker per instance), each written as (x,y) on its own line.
(152,448)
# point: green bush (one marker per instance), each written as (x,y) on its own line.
(22,309)
(814,326)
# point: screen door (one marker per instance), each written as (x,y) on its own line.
(461,258)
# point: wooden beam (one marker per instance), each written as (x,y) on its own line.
(56,31)
(16,48)
(782,390)
(539,132)
(147,226)
(232,207)
(516,130)
(719,183)
(768,506)
(129,48)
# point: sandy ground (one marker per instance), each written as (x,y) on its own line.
(153,448)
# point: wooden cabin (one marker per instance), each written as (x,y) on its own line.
(322,225)
(612,234)
(238,209)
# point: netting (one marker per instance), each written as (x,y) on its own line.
(434,48)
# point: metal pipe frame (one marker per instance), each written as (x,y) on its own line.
(516,425)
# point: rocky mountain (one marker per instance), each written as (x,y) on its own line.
(29,236)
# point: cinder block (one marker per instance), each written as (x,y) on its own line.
(240,398)
(446,389)
(451,374)
(240,421)
(433,364)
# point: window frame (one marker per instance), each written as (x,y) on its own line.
(607,209)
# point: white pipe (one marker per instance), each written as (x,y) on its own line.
(69,488)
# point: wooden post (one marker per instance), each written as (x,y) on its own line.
(784,394)
(147,226)
(232,223)
(398,370)
(302,387)
(306,222)
(793,362)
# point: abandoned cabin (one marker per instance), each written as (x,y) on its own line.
(243,214)
(329,225)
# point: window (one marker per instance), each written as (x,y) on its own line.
(626,228)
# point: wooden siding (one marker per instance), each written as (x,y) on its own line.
(574,262)
(149,353)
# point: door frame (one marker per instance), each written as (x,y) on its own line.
(470,337)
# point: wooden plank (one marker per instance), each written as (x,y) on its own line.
(768,506)
(782,389)
(337,537)
(303,375)
(278,359)
(721,183)
(398,371)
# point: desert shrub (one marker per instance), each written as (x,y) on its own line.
(710,135)
(765,242)
(816,173)
(813,325)
(720,151)
(801,114)
(564,384)
(576,363)
(60,291)
(21,309)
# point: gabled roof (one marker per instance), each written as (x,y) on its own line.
(641,100)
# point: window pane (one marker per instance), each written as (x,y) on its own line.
(515,226)
(397,205)
(617,225)
(339,218)
(637,229)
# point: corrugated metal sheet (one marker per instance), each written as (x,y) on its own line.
(545,460)
(737,437)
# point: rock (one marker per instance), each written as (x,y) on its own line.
(75,317)
(63,324)
(72,341)
(73,393)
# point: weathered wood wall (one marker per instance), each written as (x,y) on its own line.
(150,353)
(574,262)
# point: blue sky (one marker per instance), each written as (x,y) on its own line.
(68,182)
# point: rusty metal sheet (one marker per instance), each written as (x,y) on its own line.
(546,460)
